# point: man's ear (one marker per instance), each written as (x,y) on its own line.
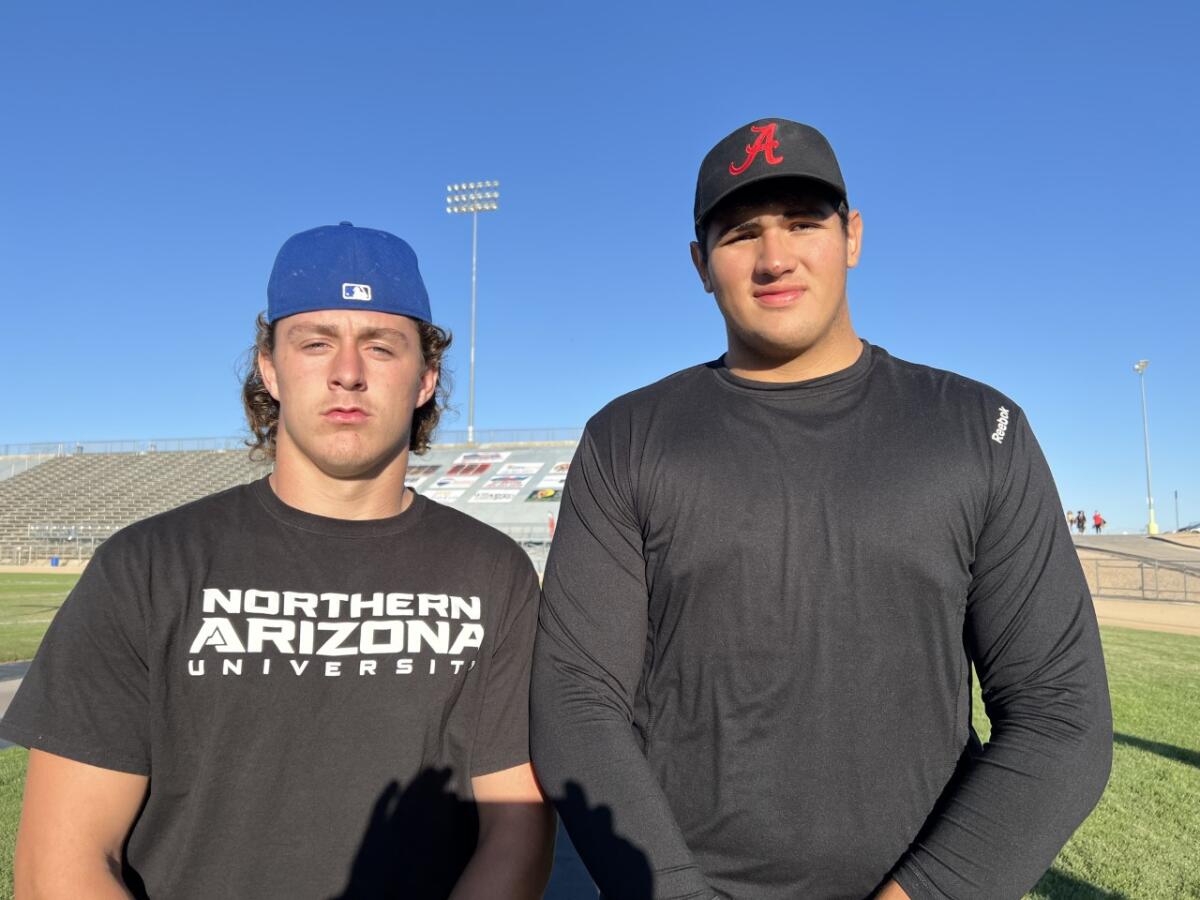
(429,383)
(701,265)
(854,227)
(266,369)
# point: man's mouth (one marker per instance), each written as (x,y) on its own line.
(345,415)
(778,295)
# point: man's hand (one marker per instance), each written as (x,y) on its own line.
(516,839)
(892,891)
(74,822)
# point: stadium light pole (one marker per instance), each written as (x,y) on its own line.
(472,197)
(1140,368)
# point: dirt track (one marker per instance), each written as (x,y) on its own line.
(1179,618)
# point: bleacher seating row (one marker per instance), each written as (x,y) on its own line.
(65,506)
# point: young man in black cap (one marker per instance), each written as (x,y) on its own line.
(768,693)
(315,685)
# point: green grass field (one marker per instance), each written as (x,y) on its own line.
(1141,841)
(1142,838)
(12,780)
(27,604)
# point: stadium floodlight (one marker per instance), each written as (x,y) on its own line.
(1140,368)
(472,197)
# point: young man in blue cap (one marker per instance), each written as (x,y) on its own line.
(314,685)
(768,692)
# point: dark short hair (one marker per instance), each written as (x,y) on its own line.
(772,189)
(262,410)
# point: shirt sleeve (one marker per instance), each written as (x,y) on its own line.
(1031,632)
(86,694)
(587,665)
(502,738)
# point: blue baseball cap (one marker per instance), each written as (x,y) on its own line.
(344,267)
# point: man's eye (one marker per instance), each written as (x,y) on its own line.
(381,351)
(314,345)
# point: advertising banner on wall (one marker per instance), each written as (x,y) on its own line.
(417,474)
(507,481)
(483,495)
(443,496)
(520,468)
(545,495)
(557,476)
(455,481)
(477,468)
(483,456)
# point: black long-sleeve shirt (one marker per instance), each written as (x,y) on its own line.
(760,613)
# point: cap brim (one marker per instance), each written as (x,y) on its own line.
(836,189)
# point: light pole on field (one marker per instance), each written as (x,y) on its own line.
(472,197)
(1140,368)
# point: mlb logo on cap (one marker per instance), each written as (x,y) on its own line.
(356,292)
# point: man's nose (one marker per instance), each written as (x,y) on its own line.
(348,372)
(776,256)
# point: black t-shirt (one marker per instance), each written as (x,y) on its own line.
(752,673)
(309,696)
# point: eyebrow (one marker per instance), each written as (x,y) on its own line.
(332,331)
(795,211)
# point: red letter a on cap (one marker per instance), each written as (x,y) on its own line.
(764,143)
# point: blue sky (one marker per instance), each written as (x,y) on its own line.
(1027,174)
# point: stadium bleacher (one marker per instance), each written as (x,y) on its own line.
(15,465)
(63,506)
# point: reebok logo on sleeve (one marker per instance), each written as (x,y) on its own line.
(1001,426)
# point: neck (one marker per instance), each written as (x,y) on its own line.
(301,484)
(824,358)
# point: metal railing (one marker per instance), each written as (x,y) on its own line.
(153,445)
(75,542)
(457,436)
(65,542)
(451,437)
(1169,581)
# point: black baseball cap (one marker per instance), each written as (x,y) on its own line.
(766,148)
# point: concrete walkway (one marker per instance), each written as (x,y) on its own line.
(1149,615)
(1135,546)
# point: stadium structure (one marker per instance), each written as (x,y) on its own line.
(60,501)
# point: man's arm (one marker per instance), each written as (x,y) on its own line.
(1031,632)
(516,839)
(74,823)
(586,668)
(515,848)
